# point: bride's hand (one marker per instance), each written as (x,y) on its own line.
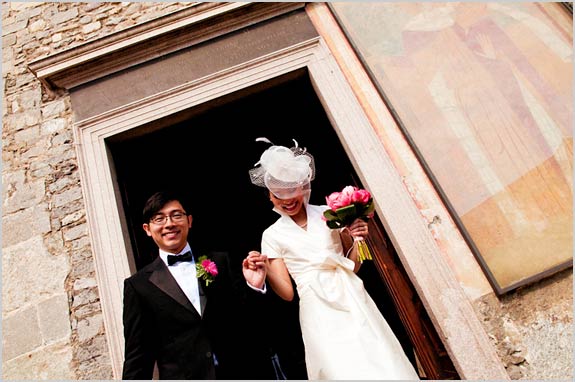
(254,269)
(359,229)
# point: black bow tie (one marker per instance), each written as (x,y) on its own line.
(173,259)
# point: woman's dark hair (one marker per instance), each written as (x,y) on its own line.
(158,200)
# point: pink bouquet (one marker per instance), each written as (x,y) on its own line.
(206,269)
(346,206)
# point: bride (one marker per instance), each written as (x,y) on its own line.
(344,334)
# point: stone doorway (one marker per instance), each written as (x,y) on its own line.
(213,149)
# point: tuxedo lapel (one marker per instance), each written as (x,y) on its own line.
(162,278)
(201,288)
(203,297)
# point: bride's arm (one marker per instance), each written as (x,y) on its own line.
(349,250)
(279,279)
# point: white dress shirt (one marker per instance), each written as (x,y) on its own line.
(185,274)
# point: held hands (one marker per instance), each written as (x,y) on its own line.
(254,269)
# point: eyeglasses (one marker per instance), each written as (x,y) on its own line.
(176,217)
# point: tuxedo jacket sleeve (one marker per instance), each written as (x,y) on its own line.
(139,360)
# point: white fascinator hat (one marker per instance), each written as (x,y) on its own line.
(286,172)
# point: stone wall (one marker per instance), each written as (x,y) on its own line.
(51,314)
(532,328)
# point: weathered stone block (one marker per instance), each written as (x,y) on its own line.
(73,218)
(61,17)
(31,99)
(54,125)
(24,195)
(55,107)
(25,224)
(50,362)
(29,282)
(89,327)
(91,27)
(84,297)
(67,196)
(80,284)
(75,232)
(14,27)
(54,318)
(20,333)
(37,25)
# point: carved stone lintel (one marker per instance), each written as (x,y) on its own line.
(149,40)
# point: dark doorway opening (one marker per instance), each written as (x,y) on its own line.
(211,148)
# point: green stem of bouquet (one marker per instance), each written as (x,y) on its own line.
(363,251)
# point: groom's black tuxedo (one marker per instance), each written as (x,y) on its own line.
(161,325)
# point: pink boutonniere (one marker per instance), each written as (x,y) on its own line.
(206,269)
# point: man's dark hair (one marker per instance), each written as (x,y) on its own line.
(158,200)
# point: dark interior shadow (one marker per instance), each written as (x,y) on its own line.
(210,154)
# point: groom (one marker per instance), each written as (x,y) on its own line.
(189,326)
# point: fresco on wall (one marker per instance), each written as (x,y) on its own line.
(485,91)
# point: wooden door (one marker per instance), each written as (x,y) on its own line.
(432,357)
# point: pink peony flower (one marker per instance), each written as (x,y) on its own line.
(333,200)
(338,199)
(210,267)
(348,191)
(206,269)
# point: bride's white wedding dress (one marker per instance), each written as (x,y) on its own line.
(345,335)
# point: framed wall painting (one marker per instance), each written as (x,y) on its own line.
(484,94)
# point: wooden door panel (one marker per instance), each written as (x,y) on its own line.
(431,354)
